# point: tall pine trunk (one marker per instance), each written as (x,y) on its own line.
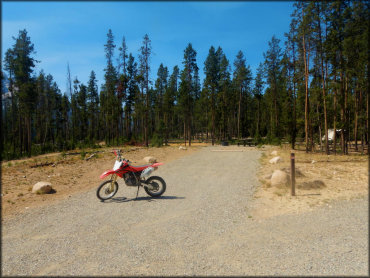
(356,119)
(185,132)
(213,118)
(306,107)
(189,129)
(240,100)
(335,117)
(367,122)
(342,114)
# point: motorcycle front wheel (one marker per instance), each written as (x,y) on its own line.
(107,190)
(158,186)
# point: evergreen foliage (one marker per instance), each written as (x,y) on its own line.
(317,80)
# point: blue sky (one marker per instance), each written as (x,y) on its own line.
(75,32)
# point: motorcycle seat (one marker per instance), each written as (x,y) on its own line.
(140,167)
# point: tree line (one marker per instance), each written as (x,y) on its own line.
(318,80)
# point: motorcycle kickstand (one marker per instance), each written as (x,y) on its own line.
(137,193)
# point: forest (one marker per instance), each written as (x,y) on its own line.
(312,80)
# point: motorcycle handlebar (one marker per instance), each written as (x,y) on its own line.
(117,153)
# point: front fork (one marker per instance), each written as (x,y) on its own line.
(113,180)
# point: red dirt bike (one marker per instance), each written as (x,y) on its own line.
(133,176)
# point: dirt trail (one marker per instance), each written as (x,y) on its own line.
(69,175)
(199,227)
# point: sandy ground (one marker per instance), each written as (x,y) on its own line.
(344,178)
(203,225)
(69,176)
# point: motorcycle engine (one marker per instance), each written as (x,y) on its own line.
(130,179)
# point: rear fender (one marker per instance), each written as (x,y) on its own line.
(107,173)
(155,165)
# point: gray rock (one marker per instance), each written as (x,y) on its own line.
(280,178)
(150,159)
(42,187)
(274,153)
(275,160)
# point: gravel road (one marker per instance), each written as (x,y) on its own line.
(199,227)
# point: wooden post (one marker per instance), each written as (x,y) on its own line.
(292,172)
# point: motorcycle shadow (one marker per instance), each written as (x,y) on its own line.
(146,198)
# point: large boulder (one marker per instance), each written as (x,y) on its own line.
(280,178)
(150,159)
(275,160)
(274,153)
(42,187)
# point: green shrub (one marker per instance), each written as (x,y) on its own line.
(156,141)
(83,154)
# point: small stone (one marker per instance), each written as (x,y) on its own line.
(24,176)
(150,159)
(182,148)
(274,153)
(275,160)
(313,161)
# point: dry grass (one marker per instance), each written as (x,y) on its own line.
(330,177)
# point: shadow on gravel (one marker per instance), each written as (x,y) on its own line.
(308,194)
(147,198)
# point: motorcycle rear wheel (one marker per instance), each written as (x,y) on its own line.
(105,190)
(159,186)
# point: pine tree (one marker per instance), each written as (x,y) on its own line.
(211,70)
(20,64)
(161,85)
(187,90)
(92,107)
(144,57)
(169,99)
(112,103)
(273,68)
(242,78)
(132,89)
(258,94)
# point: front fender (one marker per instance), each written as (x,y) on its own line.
(107,173)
